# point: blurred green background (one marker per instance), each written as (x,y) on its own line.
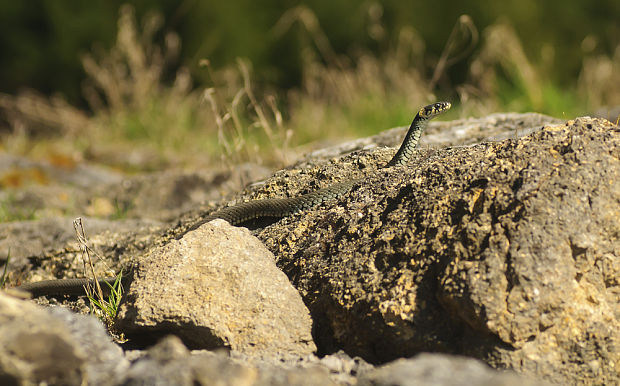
(308,71)
(41,40)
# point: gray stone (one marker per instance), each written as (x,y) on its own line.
(170,363)
(67,171)
(105,364)
(611,113)
(442,370)
(39,345)
(32,239)
(217,286)
(164,196)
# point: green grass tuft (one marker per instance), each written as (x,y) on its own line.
(106,310)
(11,210)
(5,271)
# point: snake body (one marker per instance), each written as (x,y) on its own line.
(274,207)
(282,207)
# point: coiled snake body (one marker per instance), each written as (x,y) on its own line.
(257,209)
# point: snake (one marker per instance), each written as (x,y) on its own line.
(266,208)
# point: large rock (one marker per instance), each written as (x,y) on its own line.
(55,346)
(462,251)
(217,286)
(507,251)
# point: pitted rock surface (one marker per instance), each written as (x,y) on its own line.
(217,286)
(507,251)
(361,157)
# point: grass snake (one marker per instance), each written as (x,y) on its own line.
(275,207)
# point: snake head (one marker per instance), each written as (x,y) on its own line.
(430,111)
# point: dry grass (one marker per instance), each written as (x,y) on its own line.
(355,97)
(141,121)
(599,81)
(501,58)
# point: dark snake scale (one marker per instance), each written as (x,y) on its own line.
(269,208)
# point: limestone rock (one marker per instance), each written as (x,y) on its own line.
(170,363)
(506,251)
(442,370)
(39,345)
(217,286)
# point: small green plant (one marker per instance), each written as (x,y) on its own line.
(5,272)
(121,208)
(107,309)
(11,210)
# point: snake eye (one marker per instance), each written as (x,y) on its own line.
(434,109)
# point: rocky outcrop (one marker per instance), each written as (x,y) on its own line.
(169,362)
(505,251)
(216,287)
(63,187)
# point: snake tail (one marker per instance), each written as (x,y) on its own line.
(73,287)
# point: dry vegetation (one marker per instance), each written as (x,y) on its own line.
(140,121)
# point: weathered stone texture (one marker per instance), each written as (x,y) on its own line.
(55,346)
(506,251)
(217,286)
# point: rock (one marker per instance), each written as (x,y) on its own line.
(218,286)
(441,370)
(611,113)
(60,169)
(170,363)
(505,251)
(31,239)
(491,128)
(163,196)
(39,345)
(343,368)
